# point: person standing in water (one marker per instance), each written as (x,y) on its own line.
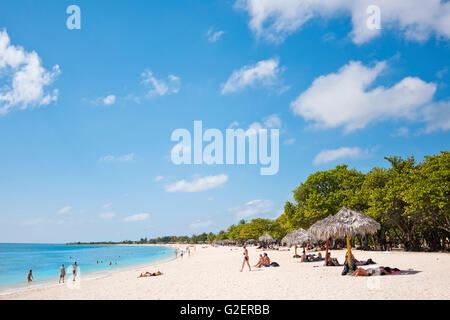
(75,270)
(30,276)
(246,258)
(62,273)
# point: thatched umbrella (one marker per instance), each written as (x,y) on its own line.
(287,240)
(298,236)
(346,223)
(265,238)
(301,236)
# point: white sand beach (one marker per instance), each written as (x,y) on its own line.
(213,273)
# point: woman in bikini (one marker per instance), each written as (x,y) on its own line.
(380,271)
(245,259)
(30,276)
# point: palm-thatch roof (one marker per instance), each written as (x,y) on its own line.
(266,237)
(345,222)
(298,236)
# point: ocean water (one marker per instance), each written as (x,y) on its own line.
(45,260)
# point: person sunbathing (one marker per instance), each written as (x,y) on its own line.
(353,266)
(304,257)
(332,262)
(319,257)
(365,262)
(380,271)
(266,260)
(148,274)
(260,261)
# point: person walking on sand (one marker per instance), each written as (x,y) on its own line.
(246,259)
(30,276)
(62,273)
(75,270)
(388,243)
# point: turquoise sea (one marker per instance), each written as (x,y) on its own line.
(16,259)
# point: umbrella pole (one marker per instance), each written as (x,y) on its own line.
(296,251)
(326,252)
(349,250)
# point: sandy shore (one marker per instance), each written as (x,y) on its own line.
(213,273)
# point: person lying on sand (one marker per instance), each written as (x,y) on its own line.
(365,262)
(319,257)
(380,271)
(149,274)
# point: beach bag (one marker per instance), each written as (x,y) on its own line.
(274,264)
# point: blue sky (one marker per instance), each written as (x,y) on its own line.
(85,148)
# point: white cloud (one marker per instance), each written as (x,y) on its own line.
(107,205)
(123,158)
(158,178)
(416,19)
(213,36)
(289,142)
(200,224)
(326,156)
(253,208)
(160,87)
(109,100)
(437,116)
(270,122)
(27,75)
(137,217)
(264,73)
(197,185)
(107,215)
(64,209)
(343,99)
(401,132)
